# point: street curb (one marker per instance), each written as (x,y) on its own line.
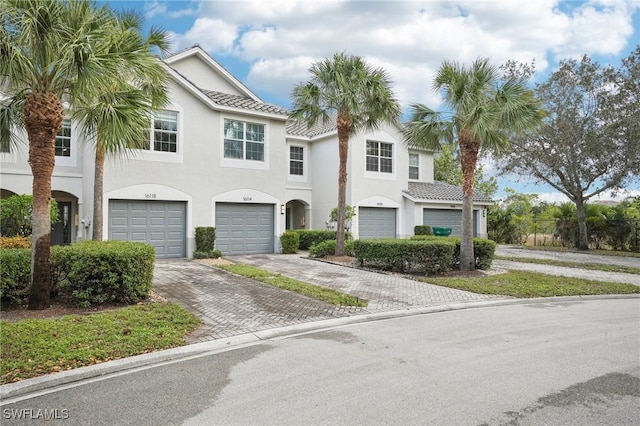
(51,381)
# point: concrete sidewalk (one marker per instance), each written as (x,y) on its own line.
(231,305)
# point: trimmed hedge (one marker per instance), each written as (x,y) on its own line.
(328,248)
(483,249)
(290,241)
(213,254)
(422,230)
(85,273)
(205,238)
(15,274)
(430,256)
(310,237)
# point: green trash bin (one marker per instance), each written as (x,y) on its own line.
(441,232)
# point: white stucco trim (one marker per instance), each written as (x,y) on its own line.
(148,192)
(378,201)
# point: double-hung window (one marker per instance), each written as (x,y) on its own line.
(414,166)
(164,134)
(63,139)
(296,160)
(379,157)
(243,140)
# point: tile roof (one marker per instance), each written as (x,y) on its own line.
(299,128)
(242,102)
(441,191)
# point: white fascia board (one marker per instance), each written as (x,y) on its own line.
(204,98)
(444,202)
(197,50)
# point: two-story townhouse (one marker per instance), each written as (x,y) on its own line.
(219,156)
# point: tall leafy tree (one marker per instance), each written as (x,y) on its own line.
(588,142)
(117,118)
(49,49)
(447,168)
(481,111)
(357,96)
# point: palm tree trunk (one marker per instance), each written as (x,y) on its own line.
(344,123)
(469,148)
(43,115)
(98,185)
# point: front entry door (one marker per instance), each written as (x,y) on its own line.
(61,234)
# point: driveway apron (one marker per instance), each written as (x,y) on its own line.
(229,304)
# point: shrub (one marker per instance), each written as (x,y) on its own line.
(290,241)
(310,237)
(15,274)
(213,254)
(328,248)
(431,256)
(205,238)
(15,242)
(422,230)
(15,215)
(95,272)
(483,249)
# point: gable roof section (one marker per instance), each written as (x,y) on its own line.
(299,128)
(440,191)
(240,102)
(219,69)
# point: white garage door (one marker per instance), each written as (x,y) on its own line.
(244,228)
(159,223)
(442,218)
(376,222)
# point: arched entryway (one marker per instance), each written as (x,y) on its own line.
(297,212)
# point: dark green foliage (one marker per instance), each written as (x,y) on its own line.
(328,248)
(95,272)
(310,237)
(429,255)
(290,241)
(15,273)
(483,249)
(422,230)
(205,238)
(213,254)
(15,215)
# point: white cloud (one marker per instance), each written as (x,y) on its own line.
(410,39)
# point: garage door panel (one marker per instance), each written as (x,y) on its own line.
(159,223)
(245,228)
(442,218)
(376,222)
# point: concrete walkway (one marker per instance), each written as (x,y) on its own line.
(586,258)
(231,305)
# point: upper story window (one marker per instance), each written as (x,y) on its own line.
(63,139)
(414,166)
(164,137)
(379,157)
(296,160)
(243,140)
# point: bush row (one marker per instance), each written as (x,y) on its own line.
(328,248)
(86,273)
(483,249)
(310,237)
(428,256)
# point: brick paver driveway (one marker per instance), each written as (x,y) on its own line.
(230,305)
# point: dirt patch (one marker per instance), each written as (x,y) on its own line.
(58,309)
(341,259)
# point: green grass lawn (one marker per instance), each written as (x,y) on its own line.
(574,250)
(317,292)
(590,266)
(531,284)
(35,347)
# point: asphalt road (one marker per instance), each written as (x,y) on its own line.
(543,363)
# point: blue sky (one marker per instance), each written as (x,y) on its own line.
(269,44)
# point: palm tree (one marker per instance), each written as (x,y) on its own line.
(49,49)
(118,118)
(483,109)
(358,97)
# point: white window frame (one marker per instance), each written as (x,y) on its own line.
(303,176)
(71,160)
(416,166)
(162,156)
(378,174)
(243,163)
